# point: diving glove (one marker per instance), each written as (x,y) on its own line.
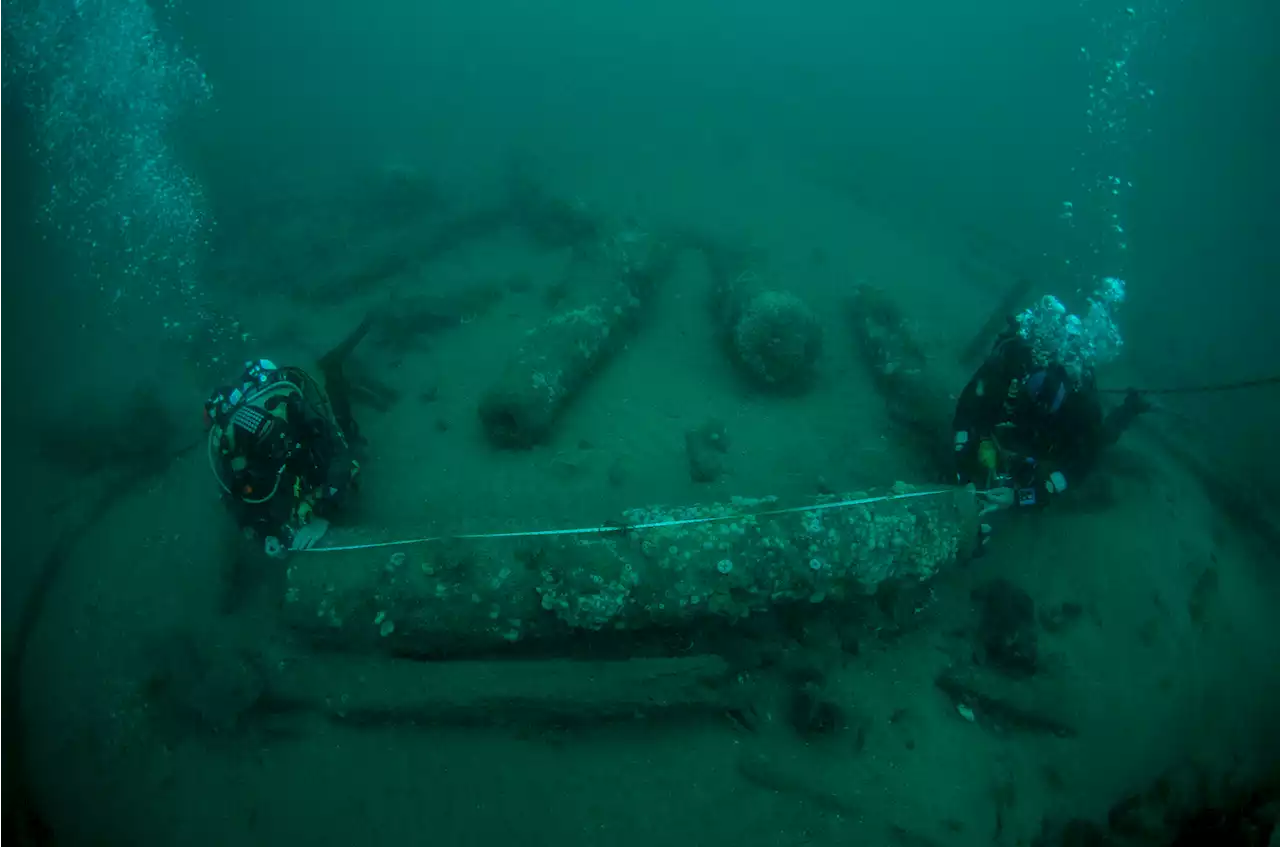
(307,535)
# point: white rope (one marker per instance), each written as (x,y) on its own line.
(631,527)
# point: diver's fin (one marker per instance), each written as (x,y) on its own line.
(336,384)
(335,357)
(1001,317)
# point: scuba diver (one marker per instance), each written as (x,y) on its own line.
(1029,425)
(281,447)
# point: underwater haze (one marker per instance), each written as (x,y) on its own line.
(645,326)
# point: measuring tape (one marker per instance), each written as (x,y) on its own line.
(601,530)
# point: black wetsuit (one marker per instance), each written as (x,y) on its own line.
(303,459)
(1048,429)
(295,464)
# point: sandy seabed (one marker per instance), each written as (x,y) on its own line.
(1165,665)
